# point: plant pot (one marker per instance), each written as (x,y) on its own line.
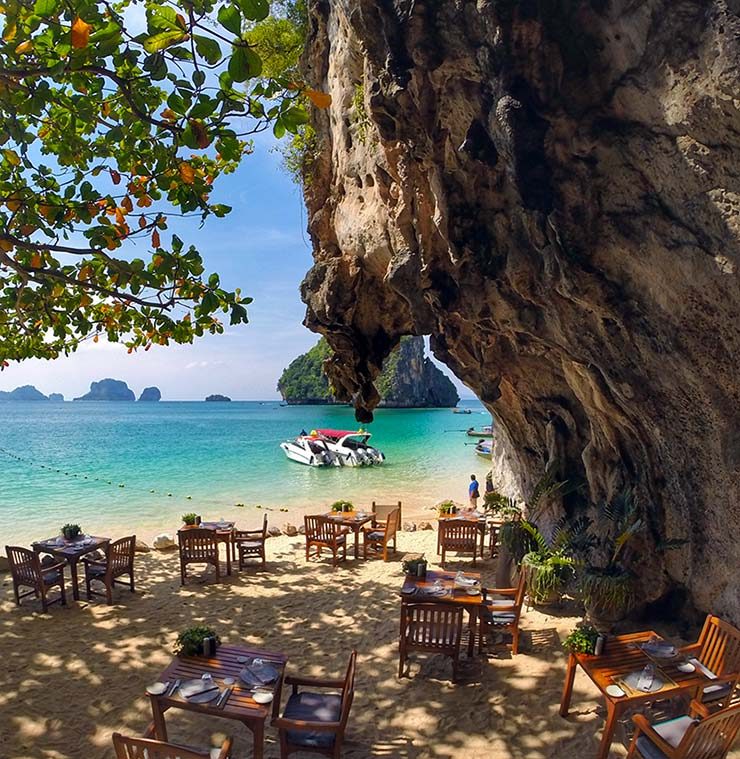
(608,596)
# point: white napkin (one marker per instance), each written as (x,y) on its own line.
(702,668)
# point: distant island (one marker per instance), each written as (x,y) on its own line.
(409,379)
(56,397)
(216,397)
(150,394)
(23,393)
(108,390)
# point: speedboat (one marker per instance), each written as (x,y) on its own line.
(484,448)
(351,447)
(485,431)
(462,411)
(310,450)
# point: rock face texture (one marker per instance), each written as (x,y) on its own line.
(23,393)
(56,397)
(150,394)
(551,190)
(409,379)
(108,390)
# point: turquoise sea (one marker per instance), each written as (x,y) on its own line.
(66,462)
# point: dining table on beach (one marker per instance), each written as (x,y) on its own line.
(469,515)
(416,590)
(353,520)
(621,660)
(72,551)
(238,705)
(224,533)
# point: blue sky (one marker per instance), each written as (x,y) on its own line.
(262,247)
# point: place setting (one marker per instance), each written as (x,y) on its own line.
(259,677)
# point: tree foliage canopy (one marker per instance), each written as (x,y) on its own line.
(110,126)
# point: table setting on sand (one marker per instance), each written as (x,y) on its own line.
(353,520)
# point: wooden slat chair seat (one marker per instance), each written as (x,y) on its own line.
(381,512)
(27,570)
(378,538)
(501,613)
(718,649)
(118,561)
(430,628)
(147,748)
(322,533)
(250,544)
(458,536)
(313,721)
(698,735)
(198,546)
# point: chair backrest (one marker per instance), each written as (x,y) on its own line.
(120,554)
(198,544)
(320,528)
(348,689)
(264,526)
(393,523)
(24,564)
(712,737)
(144,748)
(432,626)
(383,510)
(464,535)
(519,597)
(719,646)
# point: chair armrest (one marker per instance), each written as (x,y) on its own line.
(316,682)
(502,591)
(696,708)
(645,727)
(281,723)
(53,567)
(692,649)
(150,731)
(496,609)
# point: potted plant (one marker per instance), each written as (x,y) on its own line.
(190,520)
(582,639)
(190,642)
(342,506)
(417,567)
(549,566)
(447,507)
(71,531)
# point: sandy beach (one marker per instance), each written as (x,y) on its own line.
(77,674)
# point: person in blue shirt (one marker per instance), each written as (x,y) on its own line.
(473,491)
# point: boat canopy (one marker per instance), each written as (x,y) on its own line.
(336,434)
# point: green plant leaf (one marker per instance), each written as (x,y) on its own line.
(163,40)
(230,18)
(244,64)
(255,10)
(208,48)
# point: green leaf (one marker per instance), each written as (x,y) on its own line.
(230,18)
(244,64)
(46,7)
(208,48)
(278,128)
(162,18)
(199,78)
(255,10)
(163,40)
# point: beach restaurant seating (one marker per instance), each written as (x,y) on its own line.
(198,546)
(378,538)
(27,570)
(118,561)
(461,536)
(381,512)
(315,722)
(430,628)
(718,650)
(250,544)
(697,735)
(147,748)
(323,533)
(501,614)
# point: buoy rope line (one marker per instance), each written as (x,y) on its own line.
(91,478)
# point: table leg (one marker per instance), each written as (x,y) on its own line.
(75,583)
(228,556)
(258,733)
(473,626)
(160,728)
(612,715)
(568,687)
(357,543)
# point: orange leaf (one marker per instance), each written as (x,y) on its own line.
(127,204)
(144,201)
(155,239)
(142,221)
(157,260)
(115,177)
(6,245)
(80,33)
(120,216)
(105,108)
(13,204)
(319,99)
(186,173)
(95,339)
(169,114)
(36,261)
(85,300)
(24,47)
(201,135)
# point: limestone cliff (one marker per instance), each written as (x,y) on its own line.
(108,390)
(551,190)
(409,379)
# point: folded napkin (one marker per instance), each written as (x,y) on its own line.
(703,669)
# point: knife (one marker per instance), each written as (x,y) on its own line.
(224,697)
(174,687)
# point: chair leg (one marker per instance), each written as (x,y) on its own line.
(17,594)
(62,594)
(515,641)
(109,593)
(401,661)
(182,573)
(44,603)
(133,588)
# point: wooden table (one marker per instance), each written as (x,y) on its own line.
(465,516)
(72,551)
(239,706)
(353,521)
(472,604)
(621,657)
(224,532)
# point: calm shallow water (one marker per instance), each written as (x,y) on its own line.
(219,454)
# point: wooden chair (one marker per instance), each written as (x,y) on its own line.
(198,546)
(698,735)
(501,615)
(431,628)
(250,544)
(118,561)
(316,722)
(321,533)
(718,649)
(148,748)
(459,536)
(378,538)
(27,570)
(381,512)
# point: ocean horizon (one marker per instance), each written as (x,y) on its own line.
(123,467)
